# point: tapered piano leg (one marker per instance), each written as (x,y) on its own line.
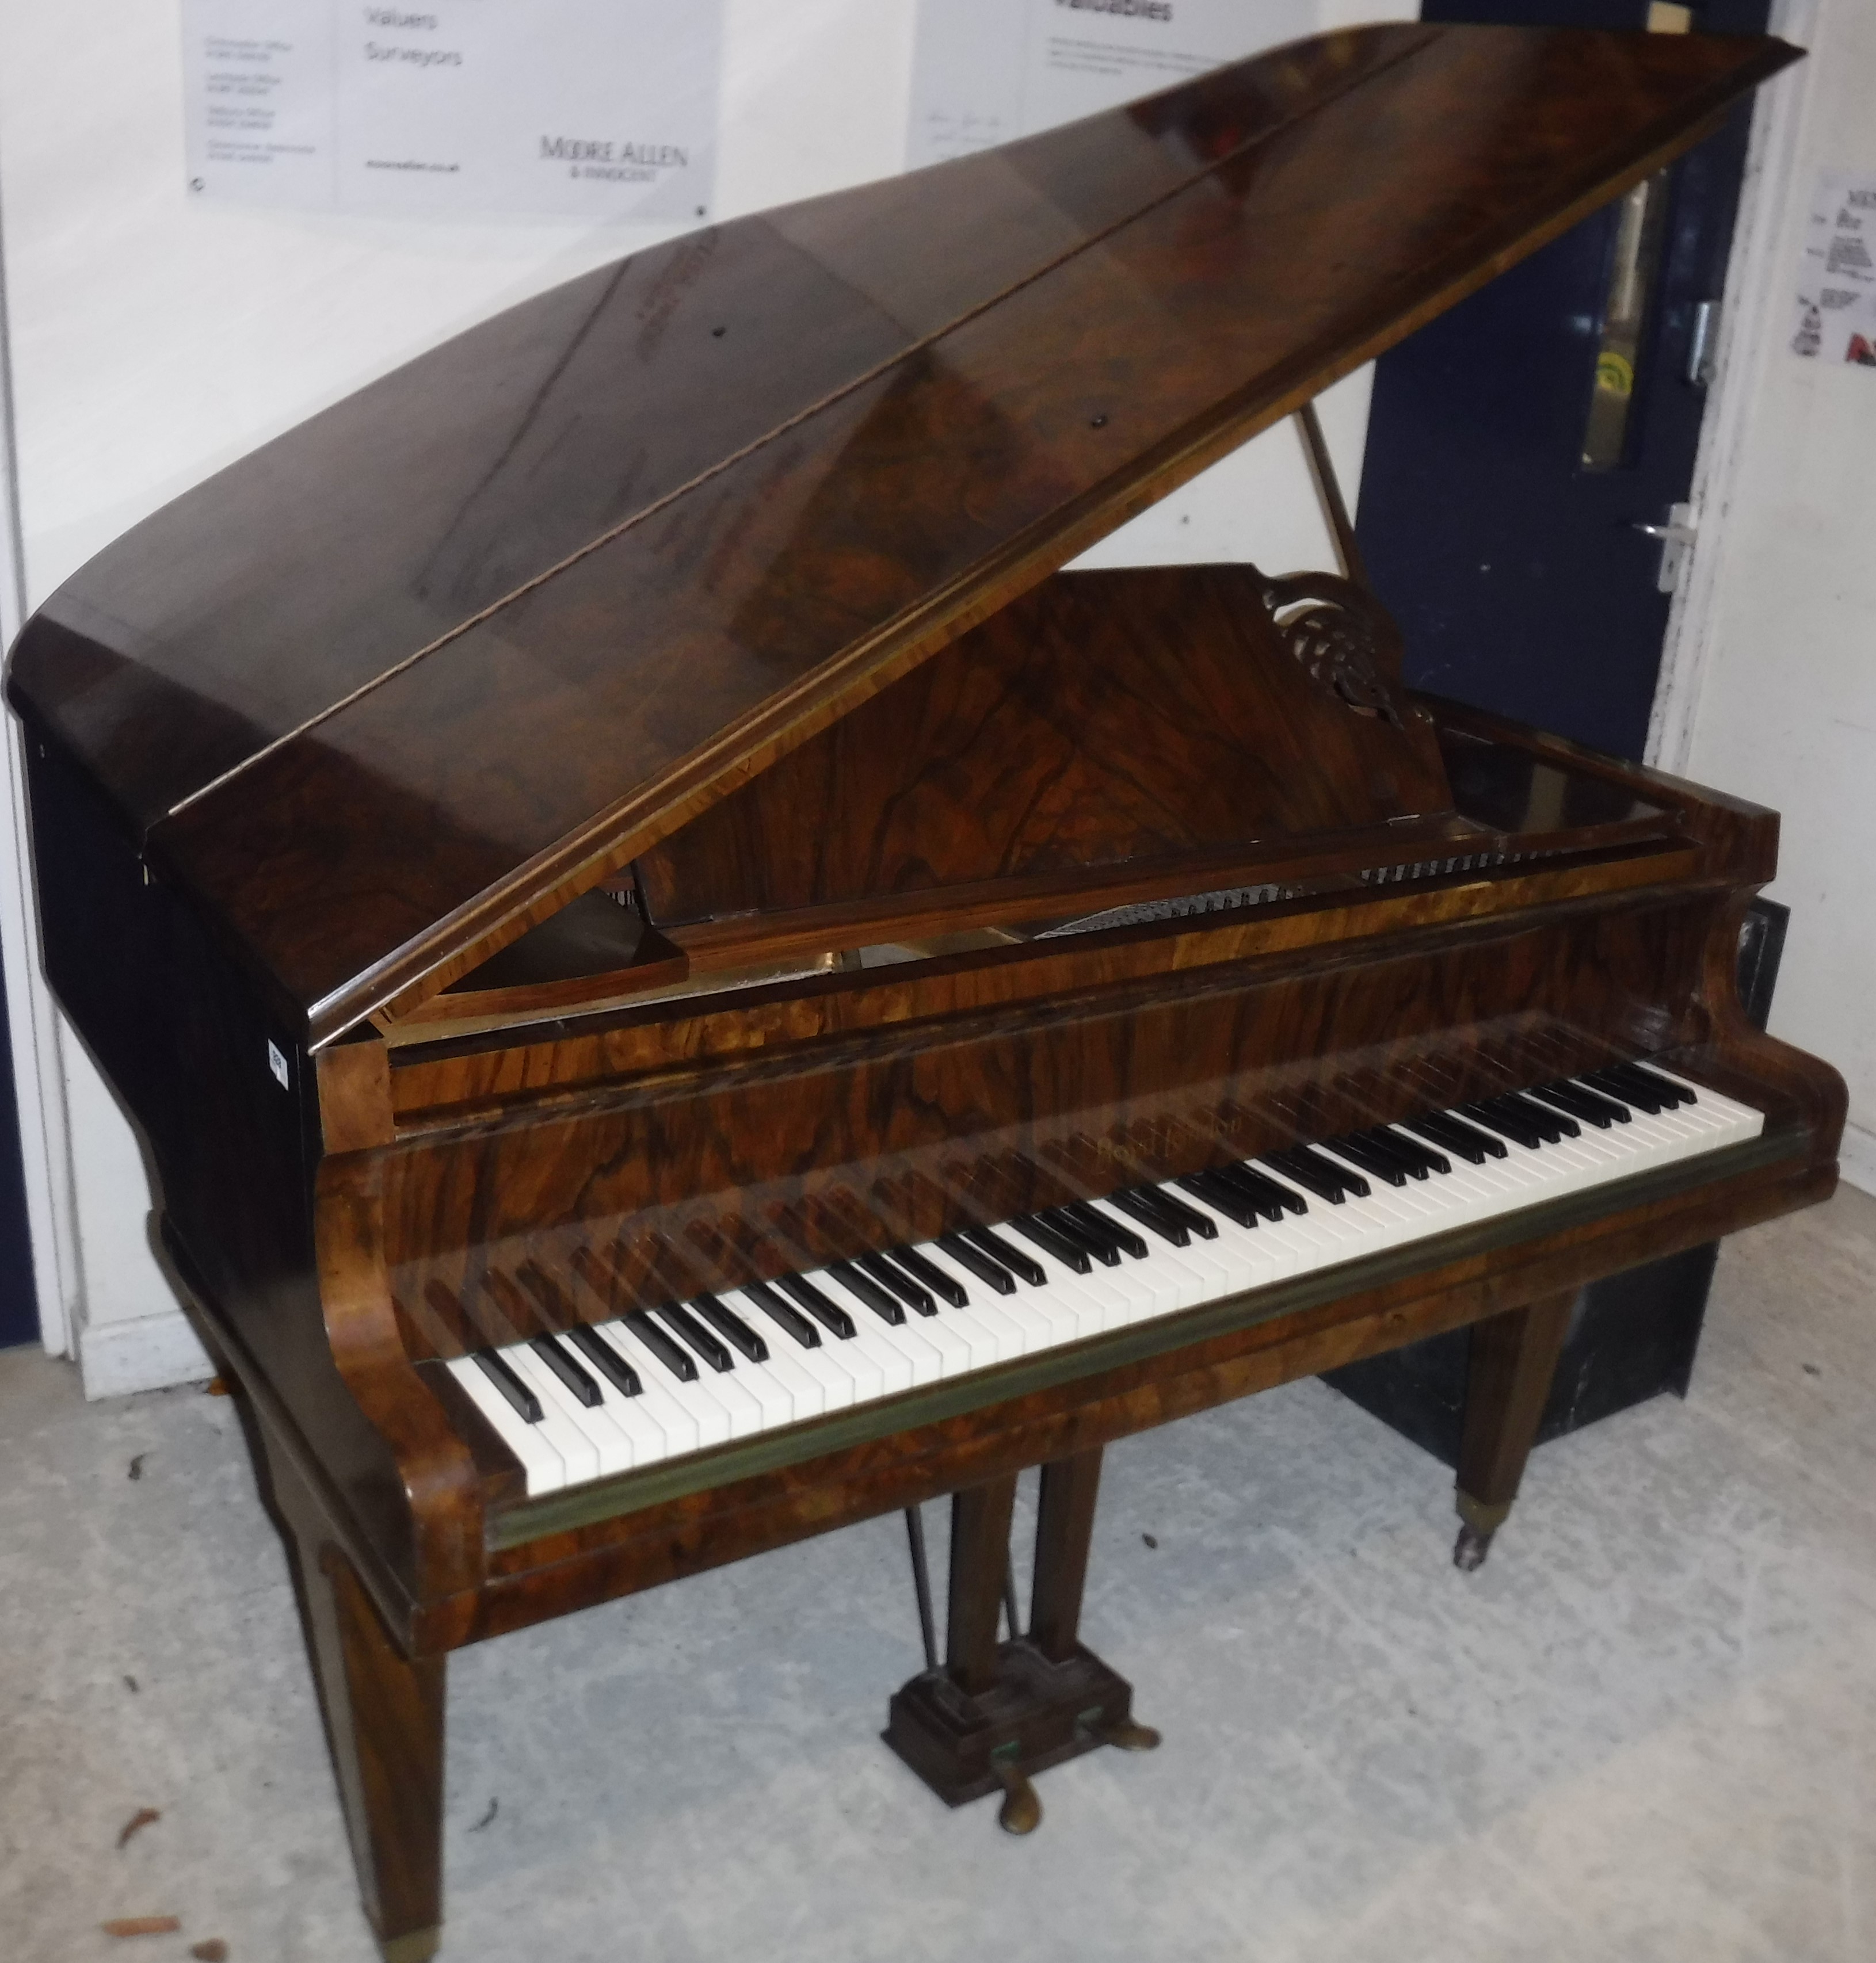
(383,1713)
(996,1714)
(1064,1524)
(1514,1357)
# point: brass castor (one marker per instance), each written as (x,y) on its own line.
(1471,1548)
(417,1947)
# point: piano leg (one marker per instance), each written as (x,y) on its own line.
(995,1714)
(383,1713)
(1508,1381)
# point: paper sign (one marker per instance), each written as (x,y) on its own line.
(1836,314)
(588,108)
(986,71)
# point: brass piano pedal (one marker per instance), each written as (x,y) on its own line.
(1022,1811)
(1130,1736)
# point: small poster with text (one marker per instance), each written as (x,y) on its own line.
(986,71)
(593,109)
(1835,317)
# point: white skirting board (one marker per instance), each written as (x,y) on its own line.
(1857,1161)
(148,1354)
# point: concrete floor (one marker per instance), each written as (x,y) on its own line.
(1646,1731)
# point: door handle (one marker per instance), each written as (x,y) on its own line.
(1677,538)
(1700,344)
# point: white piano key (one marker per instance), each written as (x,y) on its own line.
(915,1361)
(562,1429)
(988,1311)
(543,1468)
(1162,1283)
(687,1426)
(797,1392)
(615,1443)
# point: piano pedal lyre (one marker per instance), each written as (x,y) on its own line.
(992,1715)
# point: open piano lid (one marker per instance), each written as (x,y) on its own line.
(396,686)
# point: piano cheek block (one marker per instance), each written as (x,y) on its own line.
(716,1003)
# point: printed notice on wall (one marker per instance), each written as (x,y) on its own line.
(986,71)
(1836,281)
(584,108)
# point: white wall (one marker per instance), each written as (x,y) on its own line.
(156,339)
(1786,707)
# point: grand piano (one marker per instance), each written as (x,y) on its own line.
(685,985)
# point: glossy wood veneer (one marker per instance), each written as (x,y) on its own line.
(553,735)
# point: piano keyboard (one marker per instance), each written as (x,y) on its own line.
(655,1385)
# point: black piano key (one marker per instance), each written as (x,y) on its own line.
(1508,1122)
(826,1311)
(1221,1198)
(1175,1210)
(1419,1154)
(694,1337)
(1370,1158)
(1079,1234)
(1021,1265)
(1574,1087)
(1555,1125)
(1331,1183)
(1152,1218)
(1190,1218)
(1352,1181)
(662,1345)
(498,1373)
(563,1366)
(1098,1222)
(948,1288)
(986,1267)
(1653,1080)
(1039,1233)
(882,1302)
(729,1325)
(606,1360)
(1473,1145)
(1591,1108)
(1258,1193)
(914,1295)
(785,1316)
(1631,1093)
(1271,1198)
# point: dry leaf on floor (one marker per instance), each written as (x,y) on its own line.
(218,1387)
(144,1816)
(213,1951)
(143,1925)
(137,1466)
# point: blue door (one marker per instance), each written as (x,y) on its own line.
(1517,444)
